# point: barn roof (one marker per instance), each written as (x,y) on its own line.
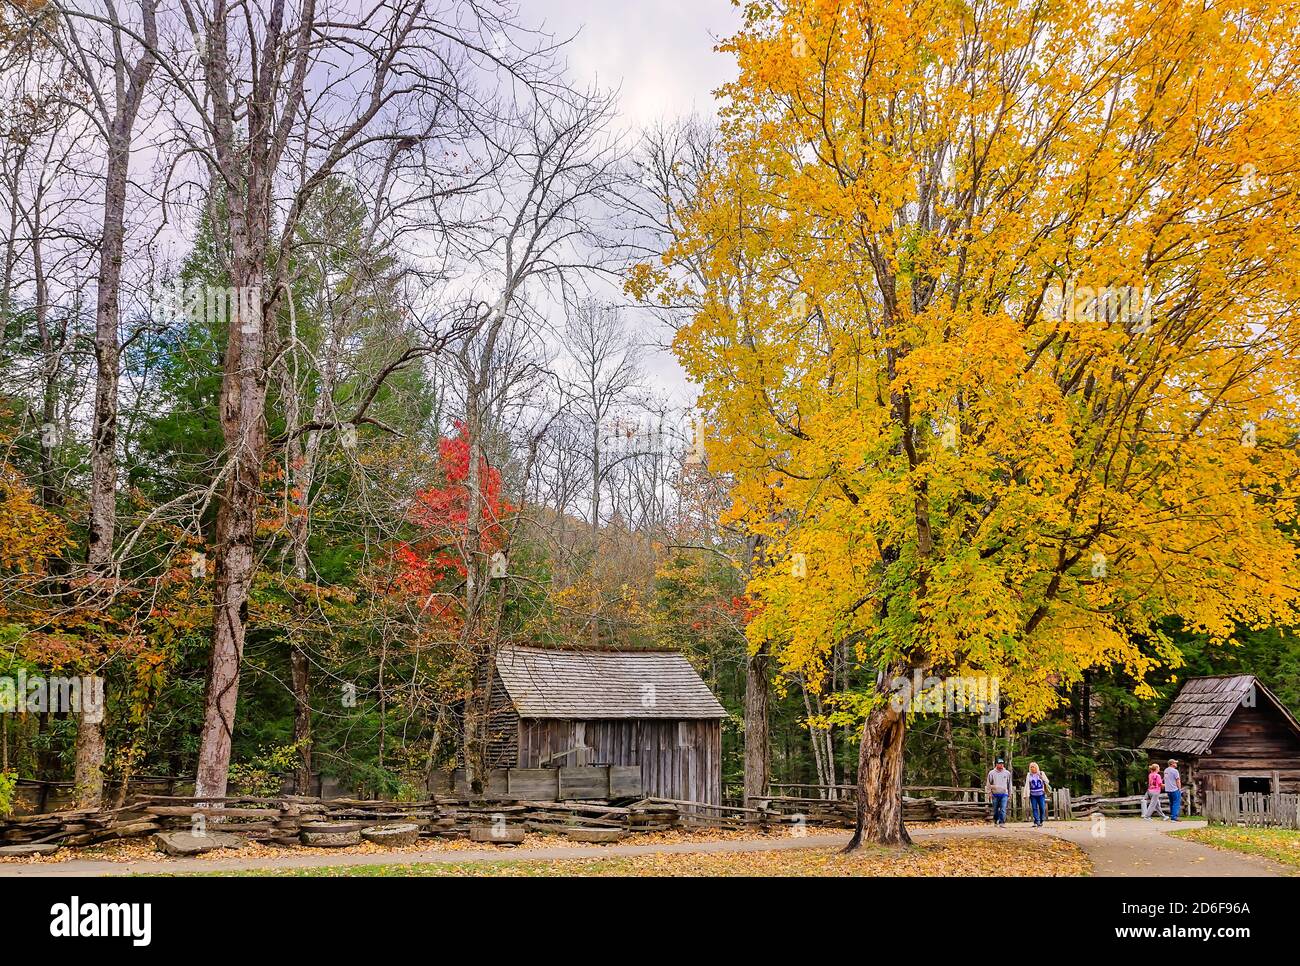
(1201,709)
(548,683)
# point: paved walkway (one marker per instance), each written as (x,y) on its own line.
(1128,847)
(1134,847)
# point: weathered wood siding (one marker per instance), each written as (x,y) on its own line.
(678,759)
(502,726)
(1255,742)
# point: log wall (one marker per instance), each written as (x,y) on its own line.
(678,759)
(1256,742)
(502,727)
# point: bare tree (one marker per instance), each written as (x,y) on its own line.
(605,374)
(540,239)
(349,287)
(114,114)
(44,157)
(675,161)
(289,92)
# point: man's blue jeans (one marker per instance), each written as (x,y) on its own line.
(1175,803)
(1038,805)
(999,809)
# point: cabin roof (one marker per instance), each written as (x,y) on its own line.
(1201,709)
(549,683)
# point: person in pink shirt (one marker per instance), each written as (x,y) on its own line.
(1151,801)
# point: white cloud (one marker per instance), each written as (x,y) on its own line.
(659,53)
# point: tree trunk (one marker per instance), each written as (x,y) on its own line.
(51,498)
(1086,730)
(88,745)
(951,749)
(813,743)
(47,759)
(301,720)
(823,753)
(595,529)
(103,437)
(299,665)
(301,461)
(242,410)
(757,731)
(90,748)
(880,780)
(480,683)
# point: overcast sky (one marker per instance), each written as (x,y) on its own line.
(659,55)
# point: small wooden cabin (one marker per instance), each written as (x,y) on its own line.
(1233,735)
(552,708)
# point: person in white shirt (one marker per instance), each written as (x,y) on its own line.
(999,789)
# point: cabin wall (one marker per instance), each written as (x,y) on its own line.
(502,726)
(678,759)
(1257,742)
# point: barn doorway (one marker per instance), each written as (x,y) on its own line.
(1254,785)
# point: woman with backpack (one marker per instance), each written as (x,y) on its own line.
(1036,786)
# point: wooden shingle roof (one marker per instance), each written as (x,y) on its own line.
(1200,710)
(547,683)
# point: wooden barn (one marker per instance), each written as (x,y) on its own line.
(1232,734)
(562,708)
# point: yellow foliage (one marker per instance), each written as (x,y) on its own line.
(29,534)
(999,331)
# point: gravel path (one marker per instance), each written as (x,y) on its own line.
(1120,847)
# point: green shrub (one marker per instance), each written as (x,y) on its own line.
(8,787)
(262,776)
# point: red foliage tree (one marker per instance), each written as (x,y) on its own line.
(442,516)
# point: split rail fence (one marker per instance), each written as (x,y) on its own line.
(281,820)
(920,802)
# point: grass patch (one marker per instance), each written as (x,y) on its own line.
(1279,844)
(957,857)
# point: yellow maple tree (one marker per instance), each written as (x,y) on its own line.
(30,535)
(998,337)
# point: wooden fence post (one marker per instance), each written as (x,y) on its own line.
(1061,803)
